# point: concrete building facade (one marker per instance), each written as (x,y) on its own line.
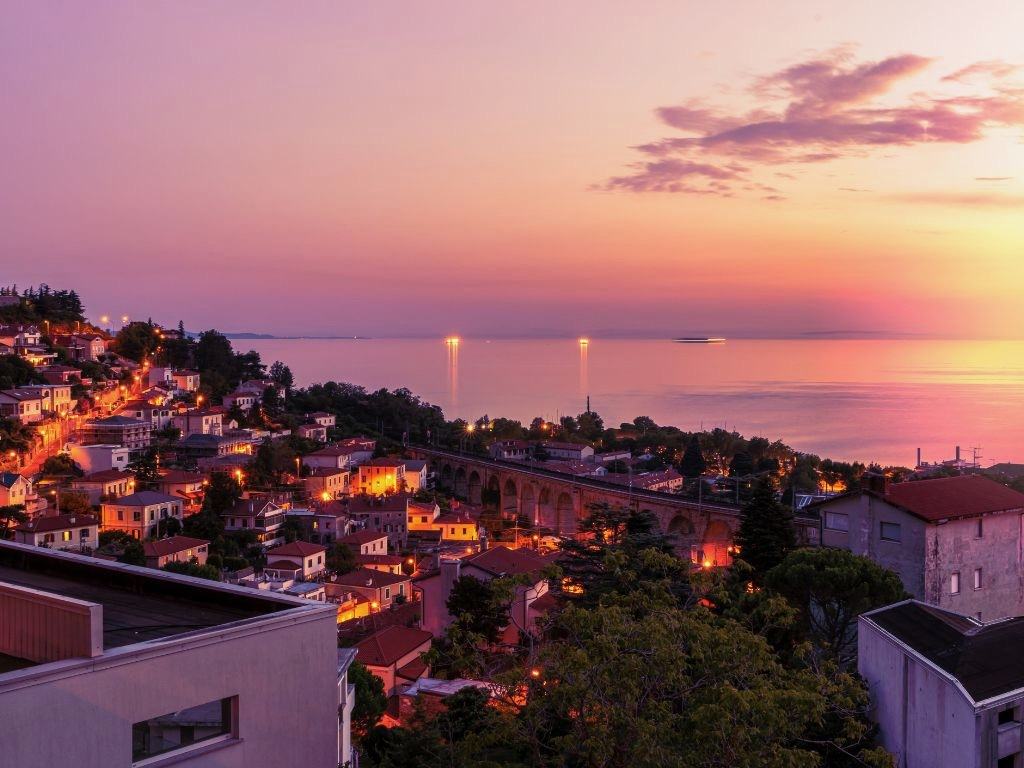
(142,668)
(947,690)
(955,542)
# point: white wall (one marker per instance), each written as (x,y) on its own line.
(284,674)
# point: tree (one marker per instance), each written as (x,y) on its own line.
(741,465)
(168,526)
(146,470)
(370,699)
(677,687)
(11,516)
(766,533)
(74,503)
(693,464)
(830,588)
(193,568)
(129,548)
(136,341)
(281,375)
(60,465)
(341,559)
(478,608)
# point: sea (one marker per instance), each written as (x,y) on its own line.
(847,399)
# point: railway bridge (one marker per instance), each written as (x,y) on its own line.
(558,502)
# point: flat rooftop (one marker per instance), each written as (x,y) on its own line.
(139,604)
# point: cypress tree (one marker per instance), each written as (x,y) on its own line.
(766,532)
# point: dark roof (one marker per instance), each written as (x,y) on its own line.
(7,479)
(369,577)
(504,561)
(384,648)
(396,502)
(117,421)
(296,549)
(362,537)
(985,658)
(951,497)
(169,546)
(47,524)
(106,476)
(144,499)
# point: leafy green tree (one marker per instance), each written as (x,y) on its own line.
(830,588)
(741,465)
(693,464)
(60,465)
(168,526)
(370,699)
(589,426)
(341,559)
(146,470)
(192,568)
(281,375)
(136,341)
(222,493)
(676,687)
(766,534)
(478,607)
(16,371)
(11,516)
(129,548)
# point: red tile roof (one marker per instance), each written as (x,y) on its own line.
(296,549)
(362,537)
(953,497)
(502,560)
(171,545)
(106,476)
(50,523)
(384,648)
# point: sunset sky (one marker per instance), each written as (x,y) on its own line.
(530,168)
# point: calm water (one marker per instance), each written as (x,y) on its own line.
(850,399)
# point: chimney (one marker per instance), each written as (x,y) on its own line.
(919,457)
(449,574)
(958,453)
(876,482)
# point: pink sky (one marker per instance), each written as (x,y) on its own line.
(486,169)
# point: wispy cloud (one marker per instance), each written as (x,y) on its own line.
(961,199)
(993,178)
(815,112)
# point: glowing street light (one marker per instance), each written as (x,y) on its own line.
(105,319)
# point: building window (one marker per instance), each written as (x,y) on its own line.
(954,583)
(65,535)
(891,532)
(837,521)
(387,593)
(979,531)
(977,578)
(181,730)
(1010,716)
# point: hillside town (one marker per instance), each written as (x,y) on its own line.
(477,590)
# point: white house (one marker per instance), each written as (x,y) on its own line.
(68,532)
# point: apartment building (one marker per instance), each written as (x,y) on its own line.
(954,541)
(123,666)
(947,690)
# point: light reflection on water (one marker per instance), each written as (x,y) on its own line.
(850,399)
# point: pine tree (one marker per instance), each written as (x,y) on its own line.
(766,532)
(693,463)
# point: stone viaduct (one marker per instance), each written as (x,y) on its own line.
(557,501)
